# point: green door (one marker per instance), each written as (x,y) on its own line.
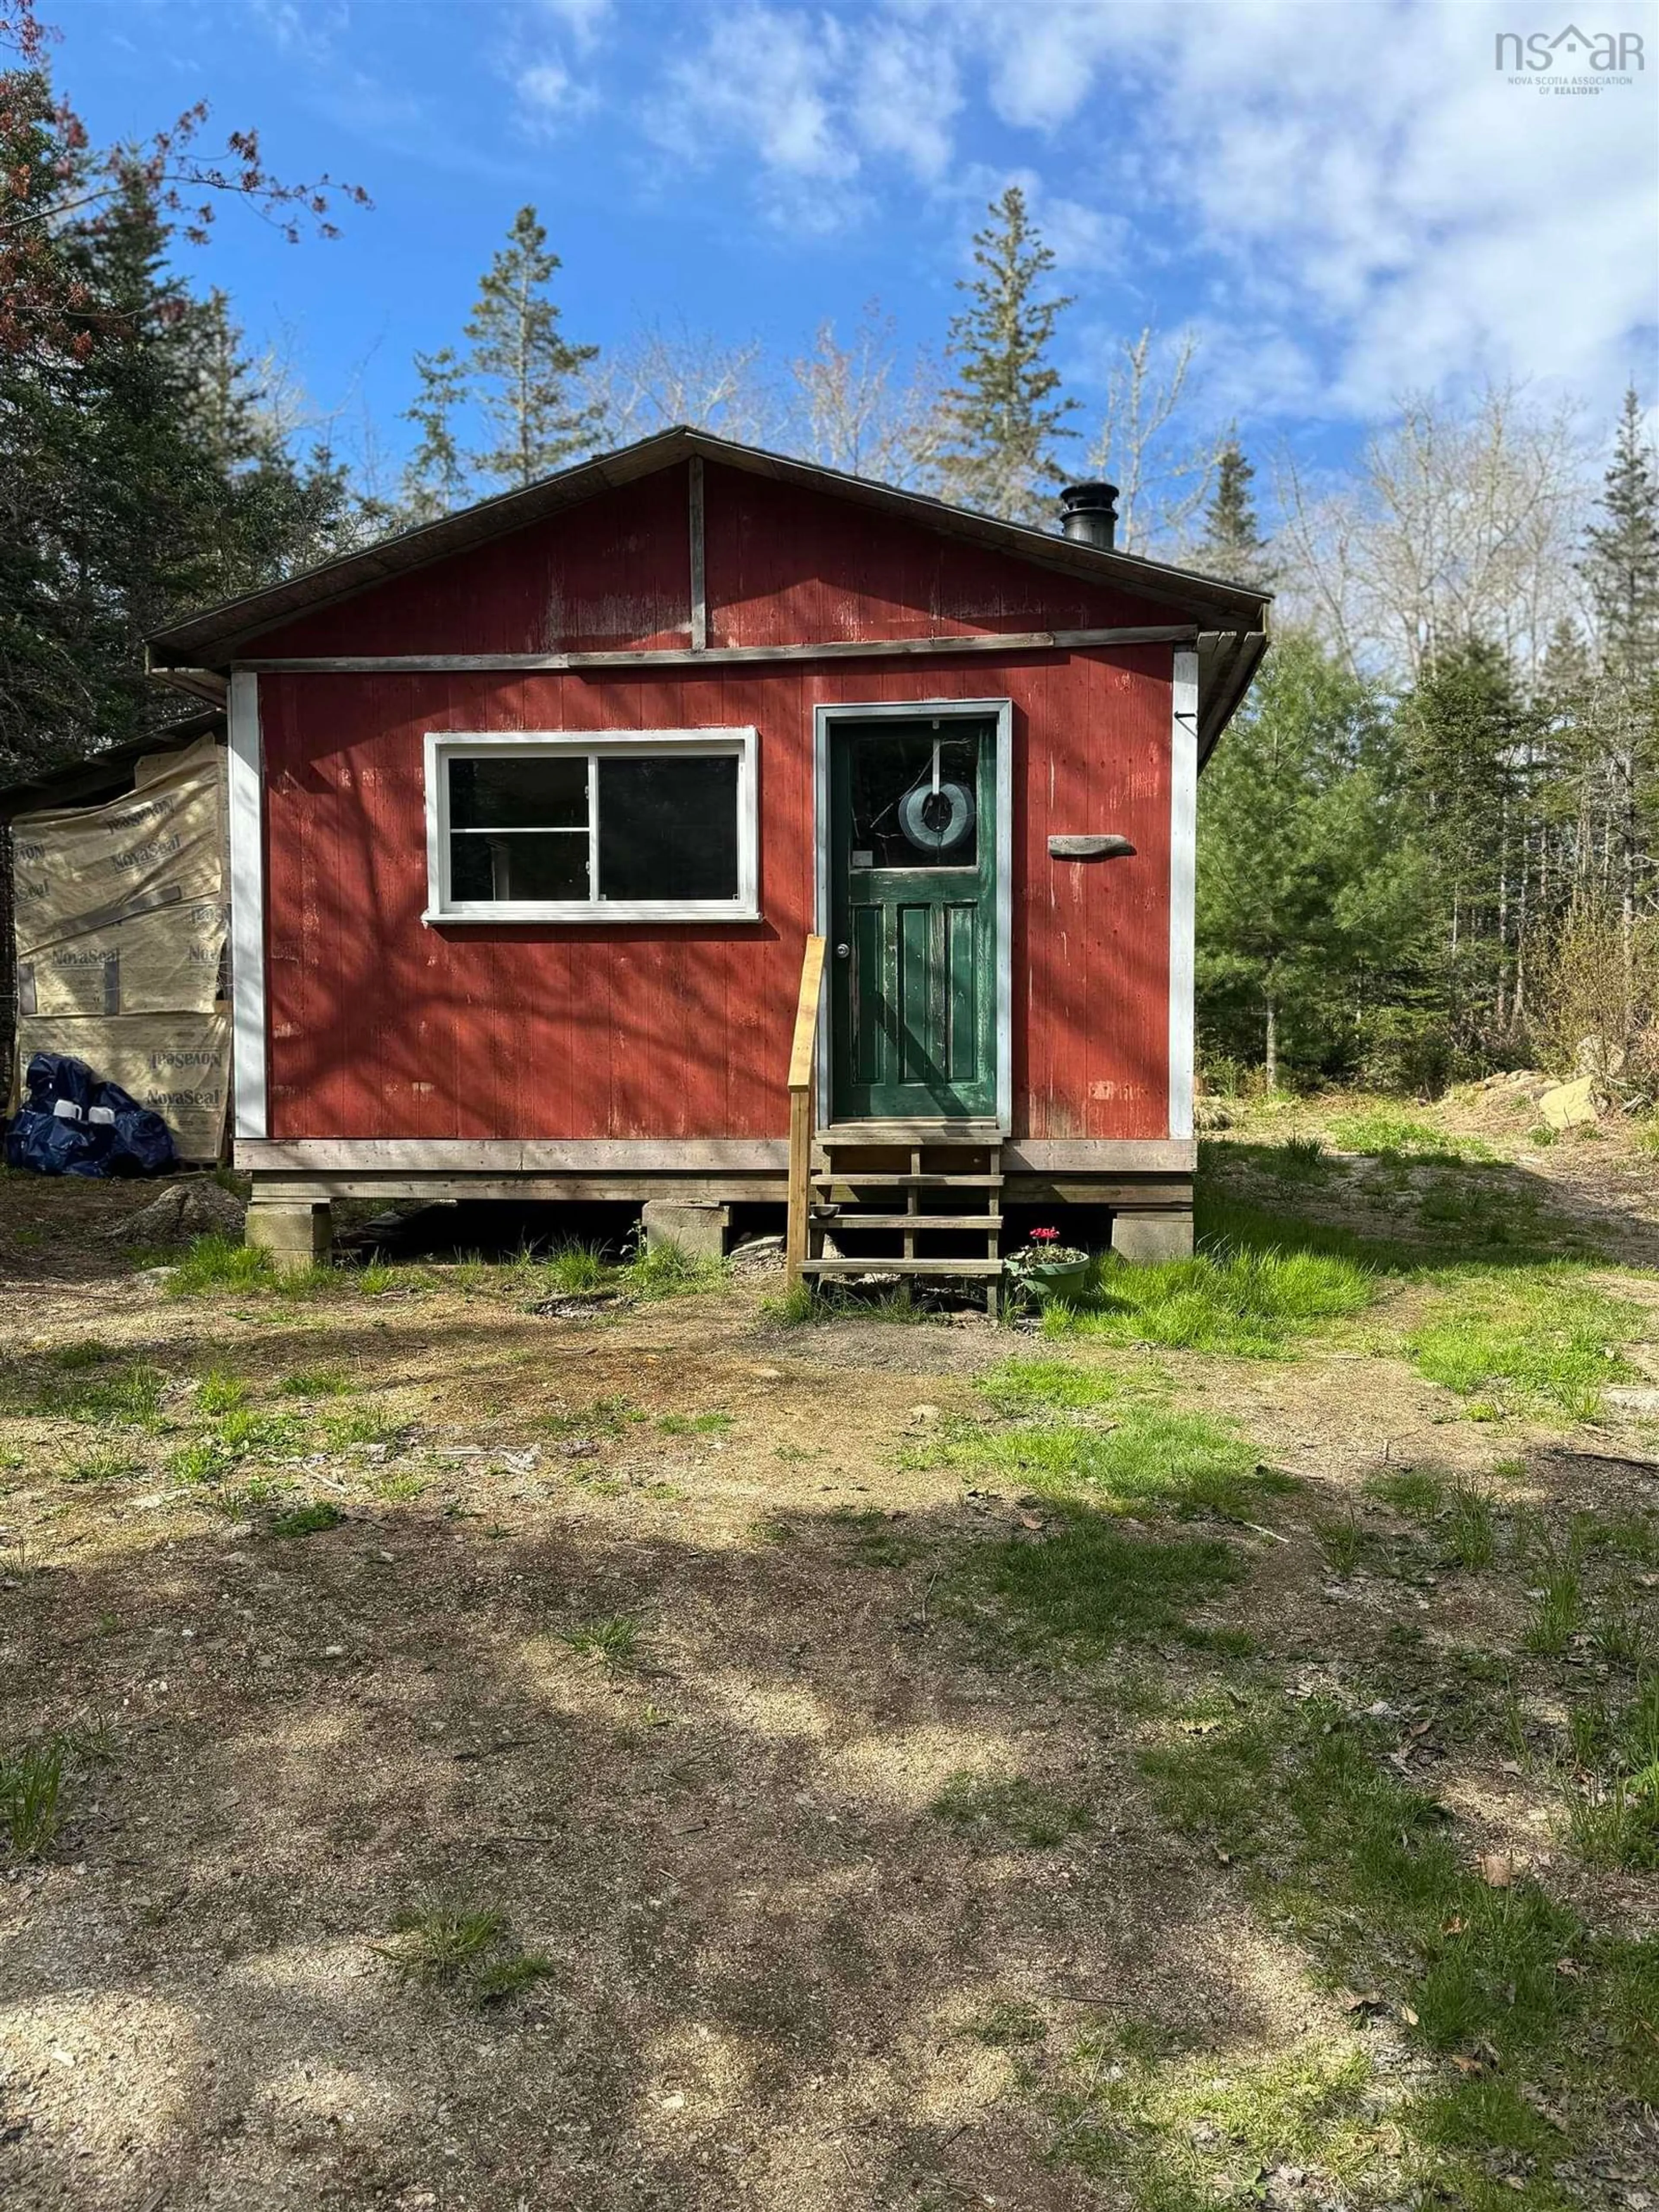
(913,921)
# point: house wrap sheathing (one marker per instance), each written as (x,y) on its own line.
(120,918)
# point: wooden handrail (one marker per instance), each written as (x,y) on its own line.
(802,1053)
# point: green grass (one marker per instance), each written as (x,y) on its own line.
(600,1417)
(1470,1529)
(1419,1492)
(1177,2127)
(361,1424)
(1251,1304)
(1526,1340)
(792,1308)
(1370,1870)
(246,1501)
(1023,1386)
(1342,1542)
(86,1382)
(317,1382)
(220,1263)
(695,1424)
(32,1806)
(662,1270)
(216,1265)
(1147,1455)
(1388,1132)
(218,1393)
(1372,1876)
(1088,1587)
(1007,2024)
(466,1949)
(1295,1159)
(1558,1614)
(1013,1809)
(84,1352)
(307,1520)
(574,1267)
(612,1642)
(107,1464)
(1613,1807)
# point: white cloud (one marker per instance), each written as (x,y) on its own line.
(582,19)
(824,105)
(1348,191)
(1380,194)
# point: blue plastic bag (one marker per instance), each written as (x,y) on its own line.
(73,1125)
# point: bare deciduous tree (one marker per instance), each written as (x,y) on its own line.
(658,378)
(852,408)
(1161,484)
(1458,526)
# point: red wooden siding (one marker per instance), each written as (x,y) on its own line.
(787,567)
(783,567)
(611,574)
(383,1027)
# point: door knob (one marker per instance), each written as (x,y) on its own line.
(843,952)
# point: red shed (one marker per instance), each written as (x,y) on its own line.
(536,811)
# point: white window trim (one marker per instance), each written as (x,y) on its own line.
(443,745)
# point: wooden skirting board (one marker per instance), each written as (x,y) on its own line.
(1147,1175)
(513,1157)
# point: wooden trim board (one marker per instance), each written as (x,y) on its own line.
(245,782)
(1183,886)
(840,648)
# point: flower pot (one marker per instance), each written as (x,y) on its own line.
(1060,1279)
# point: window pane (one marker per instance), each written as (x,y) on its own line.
(668,828)
(525,866)
(899,820)
(541,791)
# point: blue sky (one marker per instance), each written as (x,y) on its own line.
(1342,199)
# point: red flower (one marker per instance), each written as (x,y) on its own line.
(1045,1237)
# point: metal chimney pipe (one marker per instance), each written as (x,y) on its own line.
(1088,514)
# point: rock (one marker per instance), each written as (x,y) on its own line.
(1598,1057)
(1570,1104)
(1634,1401)
(193,1206)
(757,1255)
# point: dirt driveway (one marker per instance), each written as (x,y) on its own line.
(510,1761)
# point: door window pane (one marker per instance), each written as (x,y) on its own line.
(543,791)
(552,865)
(668,828)
(915,795)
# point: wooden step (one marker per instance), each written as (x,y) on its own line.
(880,1135)
(944,1268)
(885,1179)
(856,1220)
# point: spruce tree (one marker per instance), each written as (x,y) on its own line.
(1312,920)
(1232,544)
(1621,556)
(1001,414)
(522,367)
(435,475)
(137,481)
(1473,747)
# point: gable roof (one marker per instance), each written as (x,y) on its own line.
(219,635)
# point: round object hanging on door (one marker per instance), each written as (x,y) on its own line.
(936,821)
